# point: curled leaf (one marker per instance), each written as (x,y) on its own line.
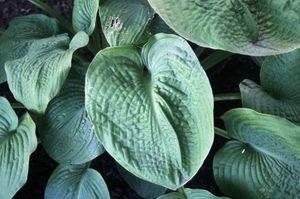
(21,33)
(279,92)
(85,15)
(37,77)
(125,22)
(17,142)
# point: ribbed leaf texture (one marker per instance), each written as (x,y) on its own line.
(264,159)
(85,15)
(191,194)
(67,134)
(22,32)
(153,111)
(17,142)
(279,93)
(255,28)
(76,181)
(37,77)
(125,22)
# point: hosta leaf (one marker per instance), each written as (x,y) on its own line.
(85,15)
(76,181)
(125,22)
(264,161)
(191,194)
(153,111)
(256,28)
(143,188)
(159,26)
(22,32)
(66,132)
(17,142)
(279,92)
(37,77)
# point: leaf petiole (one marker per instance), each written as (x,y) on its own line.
(222,133)
(17,106)
(227,97)
(215,58)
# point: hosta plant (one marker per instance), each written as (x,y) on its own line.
(121,79)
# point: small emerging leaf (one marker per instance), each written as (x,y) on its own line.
(17,142)
(76,181)
(263,161)
(125,22)
(85,15)
(191,194)
(37,77)
(67,134)
(22,32)
(153,111)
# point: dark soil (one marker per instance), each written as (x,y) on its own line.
(225,77)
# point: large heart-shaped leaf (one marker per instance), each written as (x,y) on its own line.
(143,188)
(153,111)
(37,77)
(279,93)
(22,32)
(17,142)
(264,161)
(190,194)
(66,132)
(125,22)
(76,181)
(257,28)
(85,15)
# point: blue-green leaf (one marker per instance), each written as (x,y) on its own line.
(85,15)
(153,111)
(22,32)
(76,181)
(191,194)
(17,142)
(263,161)
(125,22)
(67,134)
(279,93)
(37,77)
(252,27)
(143,188)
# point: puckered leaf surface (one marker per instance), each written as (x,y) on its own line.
(279,93)
(256,28)
(125,22)
(191,194)
(67,134)
(85,15)
(37,77)
(263,161)
(76,181)
(22,32)
(17,142)
(153,111)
